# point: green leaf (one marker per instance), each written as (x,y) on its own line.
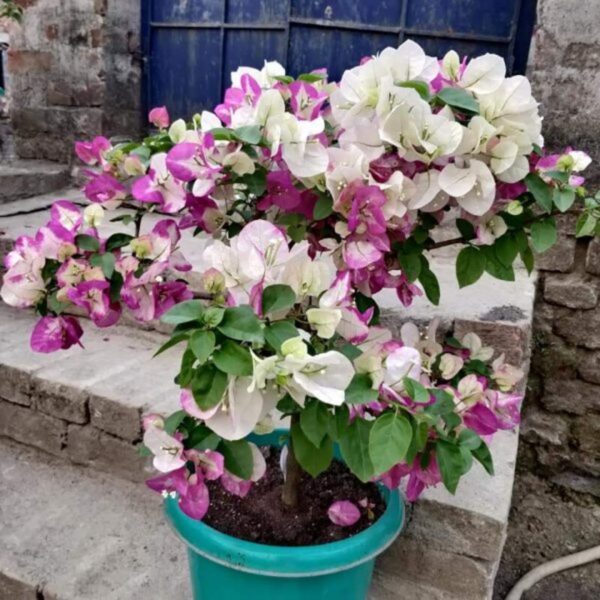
(213,315)
(288,406)
(249,134)
(411,264)
(278,332)
(350,351)
(466,229)
(118,240)
(311,77)
(419,86)
(451,464)
(87,242)
(389,441)
(540,190)
(528,259)
(55,305)
(470,266)
(202,343)
(459,99)
(484,456)
(241,323)
(208,386)
(494,267)
(106,262)
(175,339)
(314,421)
(417,391)
(186,371)
(202,438)
(238,458)
(184,312)
(339,424)
(116,284)
(277,297)
(563,198)
(354,447)
(360,390)
(586,225)
(429,282)
(172,422)
(313,459)
(234,359)
(418,440)
(469,439)
(506,249)
(323,208)
(543,234)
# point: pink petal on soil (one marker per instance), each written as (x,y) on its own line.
(343,513)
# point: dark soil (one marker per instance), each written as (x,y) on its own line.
(547,522)
(263,518)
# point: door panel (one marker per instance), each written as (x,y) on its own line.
(191,46)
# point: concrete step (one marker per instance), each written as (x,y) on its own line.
(84,407)
(25,178)
(70,533)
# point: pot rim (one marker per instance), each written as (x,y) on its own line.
(290,561)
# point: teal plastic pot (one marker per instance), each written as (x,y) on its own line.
(225,568)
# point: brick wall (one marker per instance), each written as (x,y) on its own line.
(560,436)
(75,72)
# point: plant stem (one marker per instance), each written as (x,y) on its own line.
(293,471)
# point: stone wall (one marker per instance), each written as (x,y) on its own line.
(75,72)
(561,423)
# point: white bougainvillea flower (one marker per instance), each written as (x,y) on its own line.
(506,161)
(400,363)
(419,134)
(484,74)
(428,195)
(345,166)
(324,321)
(303,153)
(489,231)
(450,365)
(307,277)
(512,109)
(324,377)
(478,351)
(471,184)
(506,376)
(167,451)
(238,412)
(408,62)
(470,390)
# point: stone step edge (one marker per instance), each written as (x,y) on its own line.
(25,178)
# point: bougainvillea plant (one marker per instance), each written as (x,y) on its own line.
(305,198)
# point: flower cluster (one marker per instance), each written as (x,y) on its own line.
(312,197)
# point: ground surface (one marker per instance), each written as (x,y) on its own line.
(546,523)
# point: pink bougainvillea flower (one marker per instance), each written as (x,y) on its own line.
(234,485)
(418,478)
(280,192)
(92,153)
(343,513)
(481,420)
(105,190)
(55,333)
(306,101)
(173,481)
(195,502)
(210,462)
(159,186)
(93,297)
(66,215)
(159,117)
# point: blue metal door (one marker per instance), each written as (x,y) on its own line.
(191,46)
